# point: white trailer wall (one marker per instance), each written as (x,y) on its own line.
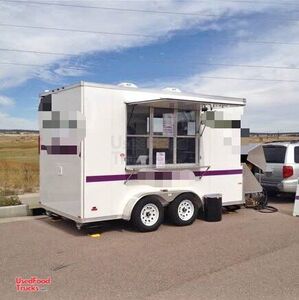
(61,181)
(107,197)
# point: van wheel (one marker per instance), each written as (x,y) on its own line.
(147,214)
(183,210)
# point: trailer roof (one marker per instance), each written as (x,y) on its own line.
(184,101)
(160,97)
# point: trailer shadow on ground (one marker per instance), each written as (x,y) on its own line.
(69,226)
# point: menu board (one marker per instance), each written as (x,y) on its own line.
(191,128)
(158,125)
(168,124)
(160,159)
(161,143)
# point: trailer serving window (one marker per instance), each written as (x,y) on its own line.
(186,136)
(152,130)
(138,134)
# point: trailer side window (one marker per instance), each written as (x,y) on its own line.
(137,151)
(163,122)
(186,136)
(186,122)
(163,144)
(138,120)
(186,150)
(169,132)
(163,134)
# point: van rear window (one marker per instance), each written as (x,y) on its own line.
(296,154)
(275,154)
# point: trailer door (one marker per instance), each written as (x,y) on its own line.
(62,131)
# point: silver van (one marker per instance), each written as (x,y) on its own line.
(282,167)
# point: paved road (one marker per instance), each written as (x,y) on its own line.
(249,255)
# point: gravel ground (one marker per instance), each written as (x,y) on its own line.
(249,255)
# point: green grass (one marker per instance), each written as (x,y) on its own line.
(9,201)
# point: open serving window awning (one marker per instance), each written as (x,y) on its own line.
(190,103)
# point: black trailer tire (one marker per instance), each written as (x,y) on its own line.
(148,214)
(183,210)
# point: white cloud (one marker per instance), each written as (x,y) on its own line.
(265,104)
(6,101)
(159,25)
(271,105)
(9,122)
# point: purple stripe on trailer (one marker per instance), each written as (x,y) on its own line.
(101,178)
(297,198)
(218,172)
(161,176)
(60,149)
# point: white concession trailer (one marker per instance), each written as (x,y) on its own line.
(120,152)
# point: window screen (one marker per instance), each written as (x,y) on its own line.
(138,128)
(185,150)
(186,122)
(275,154)
(137,151)
(296,154)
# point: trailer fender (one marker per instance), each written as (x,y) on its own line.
(161,197)
(198,200)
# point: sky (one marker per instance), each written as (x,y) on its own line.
(241,48)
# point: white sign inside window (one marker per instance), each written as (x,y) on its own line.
(160,159)
(191,128)
(168,124)
(158,125)
(147,125)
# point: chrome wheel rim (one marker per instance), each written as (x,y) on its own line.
(185,210)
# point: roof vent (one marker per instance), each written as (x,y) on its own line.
(128,85)
(172,89)
(46,91)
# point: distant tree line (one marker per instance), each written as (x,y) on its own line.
(274,133)
(17,131)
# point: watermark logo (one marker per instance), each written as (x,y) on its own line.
(118,145)
(33,284)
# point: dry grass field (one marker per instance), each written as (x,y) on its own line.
(19,167)
(268,139)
